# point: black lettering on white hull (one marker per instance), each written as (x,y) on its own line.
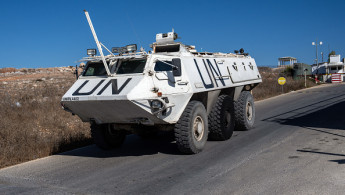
(87,93)
(207,86)
(217,71)
(114,87)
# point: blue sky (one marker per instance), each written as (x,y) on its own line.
(56,33)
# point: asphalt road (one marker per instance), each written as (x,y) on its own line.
(296,147)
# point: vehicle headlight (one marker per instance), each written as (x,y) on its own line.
(131,48)
(91,52)
(116,50)
(156,104)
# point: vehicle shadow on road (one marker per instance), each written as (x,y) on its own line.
(133,146)
(340,161)
(328,117)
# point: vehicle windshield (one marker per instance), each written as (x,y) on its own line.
(131,66)
(95,69)
(125,67)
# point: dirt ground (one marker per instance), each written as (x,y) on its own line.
(32,121)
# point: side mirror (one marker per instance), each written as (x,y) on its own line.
(177,71)
(76,72)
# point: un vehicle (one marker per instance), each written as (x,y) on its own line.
(198,95)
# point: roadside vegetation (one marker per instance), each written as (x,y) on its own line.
(33,124)
(270,87)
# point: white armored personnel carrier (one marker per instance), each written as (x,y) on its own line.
(198,95)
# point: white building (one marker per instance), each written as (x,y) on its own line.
(326,69)
(334,66)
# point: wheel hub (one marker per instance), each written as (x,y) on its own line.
(198,128)
(249,111)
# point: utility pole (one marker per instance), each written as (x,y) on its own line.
(305,78)
(317,57)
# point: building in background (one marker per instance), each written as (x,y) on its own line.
(300,70)
(333,66)
(326,69)
(286,61)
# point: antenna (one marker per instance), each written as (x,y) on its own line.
(97,42)
(134,31)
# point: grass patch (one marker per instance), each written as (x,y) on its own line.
(270,87)
(32,122)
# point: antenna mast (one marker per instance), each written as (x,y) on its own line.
(97,42)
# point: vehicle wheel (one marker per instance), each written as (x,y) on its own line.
(221,119)
(106,137)
(191,130)
(244,111)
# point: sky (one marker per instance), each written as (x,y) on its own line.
(55,33)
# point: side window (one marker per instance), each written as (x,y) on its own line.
(163,66)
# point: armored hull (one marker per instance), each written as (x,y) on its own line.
(200,95)
(126,98)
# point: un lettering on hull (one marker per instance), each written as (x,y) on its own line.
(210,74)
(102,87)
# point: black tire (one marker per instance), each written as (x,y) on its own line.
(106,137)
(221,119)
(191,130)
(244,111)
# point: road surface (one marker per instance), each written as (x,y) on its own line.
(296,147)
